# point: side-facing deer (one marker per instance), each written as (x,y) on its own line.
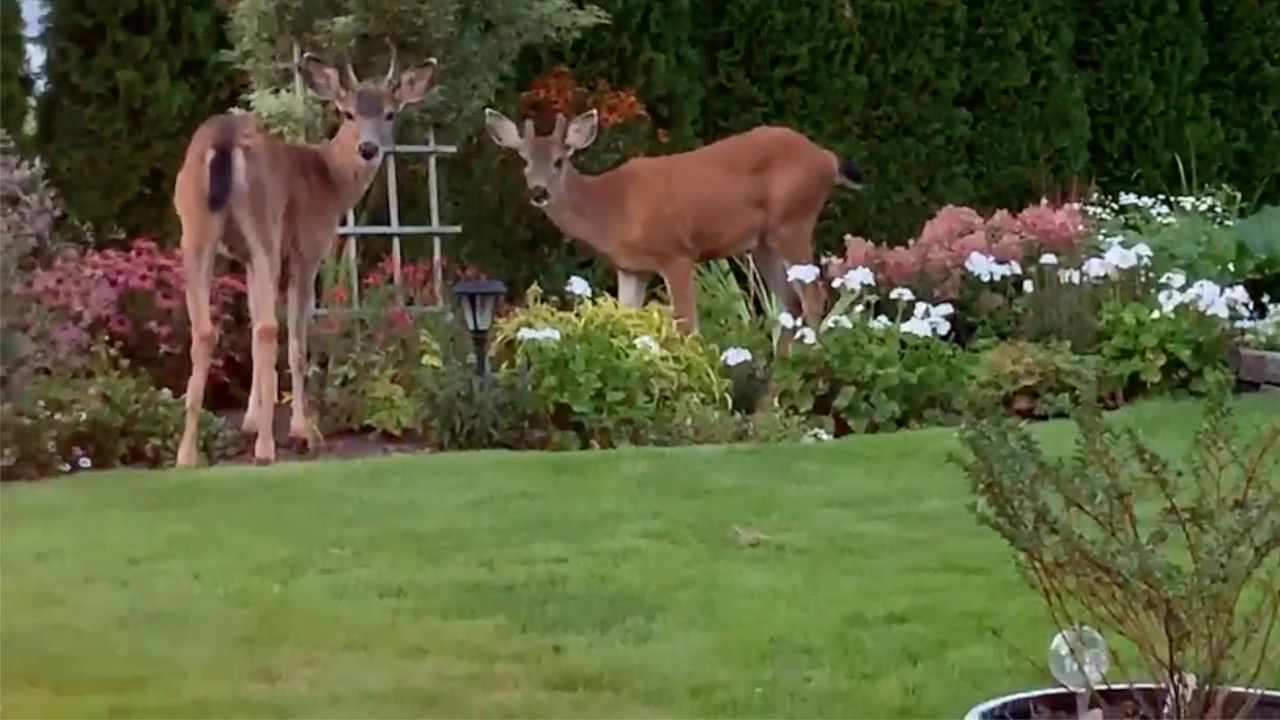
(275,206)
(759,191)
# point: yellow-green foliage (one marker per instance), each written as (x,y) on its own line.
(616,373)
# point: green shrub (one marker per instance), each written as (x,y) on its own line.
(1149,348)
(126,87)
(871,374)
(611,374)
(1033,379)
(110,418)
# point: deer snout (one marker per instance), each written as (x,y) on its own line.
(368,150)
(539,196)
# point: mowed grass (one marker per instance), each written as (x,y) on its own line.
(602,584)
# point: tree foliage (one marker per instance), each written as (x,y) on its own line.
(128,83)
(476,42)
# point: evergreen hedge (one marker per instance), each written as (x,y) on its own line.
(15,81)
(128,82)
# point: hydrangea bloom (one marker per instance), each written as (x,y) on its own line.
(578,287)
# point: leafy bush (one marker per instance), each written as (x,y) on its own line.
(1035,380)
(1178,558)
(110,418)
(876,373)
(463,412)
(135,298)
(611,374)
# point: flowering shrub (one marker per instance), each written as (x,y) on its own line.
(113,417)
(610,374)
(136,299)
(370,358)
(871,372)
(1262,333)
(933,263)
(28,210)
(1179,341)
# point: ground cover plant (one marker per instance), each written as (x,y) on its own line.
(833,580)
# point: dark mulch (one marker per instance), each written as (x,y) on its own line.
(337,446)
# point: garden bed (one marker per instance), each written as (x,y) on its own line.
(1135,701)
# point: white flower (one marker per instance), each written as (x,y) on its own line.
(646,342)
(943,310)
(917,326)
(1095,268)
(840,321)
(84,463)
(940,326)
(980,265)
(1069,276)
(1048,259)
(787,320)
(855,279)
(539,333)
(816,435)
(806,336)
(1028,286)
(921,310)
(1120,257)
(578,286)
(803,274)
(879,322)
(902,294)
(735,356)
(1144,253)
(1175,279)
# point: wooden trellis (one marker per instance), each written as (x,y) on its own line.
(352,232)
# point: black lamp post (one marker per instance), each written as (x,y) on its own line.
(478,301)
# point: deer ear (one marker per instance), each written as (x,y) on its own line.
(502,129)
(416,82)
(320,77)
(582,130)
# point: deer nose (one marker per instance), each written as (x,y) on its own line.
(539,196)
(368,150)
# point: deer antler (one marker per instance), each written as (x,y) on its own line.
(391,67)
(353,82)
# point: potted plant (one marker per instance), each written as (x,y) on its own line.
(1180,559)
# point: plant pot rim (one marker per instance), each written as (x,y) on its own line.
(979,711)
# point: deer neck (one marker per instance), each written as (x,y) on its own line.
(350,174)
(586,208)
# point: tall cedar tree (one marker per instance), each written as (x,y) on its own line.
(15,80)
(128,82)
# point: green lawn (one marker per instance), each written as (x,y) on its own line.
(597,584)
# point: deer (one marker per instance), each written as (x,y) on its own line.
(274,206)
(759,191)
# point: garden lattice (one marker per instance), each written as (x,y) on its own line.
(351,231)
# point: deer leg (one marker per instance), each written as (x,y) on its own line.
(302,290)
(794,246)
(199,243)
(678,277)
(266,339)
(631,288)
(252,413)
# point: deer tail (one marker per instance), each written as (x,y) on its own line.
(225,159)
(849,174)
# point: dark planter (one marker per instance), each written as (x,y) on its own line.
(1258,366)
(1126,700)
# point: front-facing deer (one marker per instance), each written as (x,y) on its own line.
(275,206)
(759,191)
